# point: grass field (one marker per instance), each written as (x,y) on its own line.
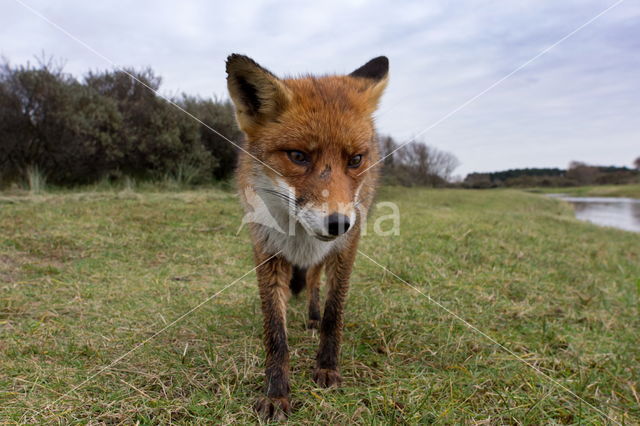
(629,191)
(87,276)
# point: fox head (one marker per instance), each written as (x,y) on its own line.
(310,142)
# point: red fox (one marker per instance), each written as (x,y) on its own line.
(306,177)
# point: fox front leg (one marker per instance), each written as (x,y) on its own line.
(273,282)
(338,270)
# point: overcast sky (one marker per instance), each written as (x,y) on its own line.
(579,101)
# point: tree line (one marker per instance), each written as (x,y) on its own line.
(578,173)
(112,124)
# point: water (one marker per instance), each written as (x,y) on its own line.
(622,213)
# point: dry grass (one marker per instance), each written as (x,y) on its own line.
(84,277)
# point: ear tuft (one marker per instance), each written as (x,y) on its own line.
(375,69)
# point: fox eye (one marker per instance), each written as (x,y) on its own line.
(355,161)
(299,157)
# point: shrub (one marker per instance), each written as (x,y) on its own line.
(110,125)
(156,138)
(218,115)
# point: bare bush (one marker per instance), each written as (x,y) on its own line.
(416,163)
(582,173)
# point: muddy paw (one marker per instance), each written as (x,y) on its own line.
(313,324)
(273,408)
(326,378)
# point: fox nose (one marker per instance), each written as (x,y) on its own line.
(337,224)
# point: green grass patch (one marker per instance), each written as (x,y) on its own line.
(86,276)
(629,191)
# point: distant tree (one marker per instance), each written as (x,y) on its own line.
(478,180)
(582,173)
(442,163)
(636,163)
(503,177)
(415,163)
(578,174)
(387,148)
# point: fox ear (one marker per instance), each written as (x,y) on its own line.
(373,77)
(376,69)
(259,96)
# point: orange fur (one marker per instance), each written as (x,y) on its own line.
(328,122)
(331,130)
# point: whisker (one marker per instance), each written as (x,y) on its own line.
(285,197)
(278,193)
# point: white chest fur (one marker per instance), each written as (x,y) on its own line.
(301,249)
